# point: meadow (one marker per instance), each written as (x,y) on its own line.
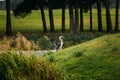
(33,23)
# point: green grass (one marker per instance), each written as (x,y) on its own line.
(98,59)
(33,21)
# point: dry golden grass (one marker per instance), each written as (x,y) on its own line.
(18,42)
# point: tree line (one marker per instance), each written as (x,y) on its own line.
(13,4)
(74,6)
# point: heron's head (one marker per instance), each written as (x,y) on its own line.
(60,37)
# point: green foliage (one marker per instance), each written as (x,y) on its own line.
(43,40)
(35,41)
(44,43)
(15,66)
(73,39)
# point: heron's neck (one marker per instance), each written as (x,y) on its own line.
(61,41)
(61,44)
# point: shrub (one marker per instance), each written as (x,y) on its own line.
(27,67)
(69,39)
(18,42)
(44,43)
(37,41)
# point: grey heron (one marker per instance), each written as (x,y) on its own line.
(57,46)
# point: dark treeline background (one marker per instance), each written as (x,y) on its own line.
(76,9)
(15,2)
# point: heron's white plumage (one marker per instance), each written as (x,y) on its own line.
(58,46)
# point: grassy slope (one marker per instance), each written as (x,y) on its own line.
(93,60)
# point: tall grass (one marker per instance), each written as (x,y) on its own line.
(17,42)
(27,67)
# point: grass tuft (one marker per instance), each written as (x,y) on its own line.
(78,54)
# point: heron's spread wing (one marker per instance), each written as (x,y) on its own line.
(54,43)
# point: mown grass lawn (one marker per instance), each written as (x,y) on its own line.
(33,21)
(98,59)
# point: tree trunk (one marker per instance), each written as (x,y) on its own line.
(116,16)
(8,19)
(99,16)
(52,29)
(76,30)
(71,17)
(81,17)
(43,20)
(108,17)
(90,15)
(63,19)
